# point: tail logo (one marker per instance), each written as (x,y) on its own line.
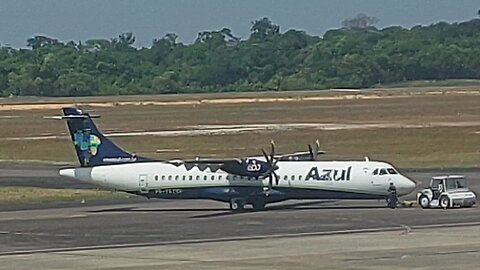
(87,142)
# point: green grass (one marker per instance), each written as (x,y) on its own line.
(22,195)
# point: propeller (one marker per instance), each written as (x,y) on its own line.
(272,162)
(314,151)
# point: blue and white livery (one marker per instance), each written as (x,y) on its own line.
(254,180)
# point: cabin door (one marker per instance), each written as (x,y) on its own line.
(143,183)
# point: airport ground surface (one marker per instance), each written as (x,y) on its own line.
(425,128)
(200,234)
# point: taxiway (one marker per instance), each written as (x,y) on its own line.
(193,234)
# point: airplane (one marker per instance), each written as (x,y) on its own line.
(255,181)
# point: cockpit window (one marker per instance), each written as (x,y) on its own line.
(392,171)
(375,172)
(383,171)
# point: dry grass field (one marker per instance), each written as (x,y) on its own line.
(21,195)
(431,127)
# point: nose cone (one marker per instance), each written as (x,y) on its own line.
(67,173)
(407,185)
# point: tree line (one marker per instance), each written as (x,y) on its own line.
(358,55)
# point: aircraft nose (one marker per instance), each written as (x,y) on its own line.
(409,185)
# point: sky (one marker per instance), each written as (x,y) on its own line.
(80,20)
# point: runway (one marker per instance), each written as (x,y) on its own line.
(174,221)
(140,224)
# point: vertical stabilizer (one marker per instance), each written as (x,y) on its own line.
(92,147)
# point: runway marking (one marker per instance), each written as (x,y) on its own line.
(42,234)
(236,238)
(441,253)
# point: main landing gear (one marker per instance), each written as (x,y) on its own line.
(237,204)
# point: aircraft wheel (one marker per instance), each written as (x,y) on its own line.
(444,202)
(236,205)
(424,202)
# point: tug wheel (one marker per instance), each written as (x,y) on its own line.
(424,202)
(444,202)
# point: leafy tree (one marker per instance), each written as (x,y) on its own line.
(263,28)
(357,55)
(361,21)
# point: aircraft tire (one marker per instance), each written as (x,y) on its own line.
(424,202)
(236,205)
(444,202)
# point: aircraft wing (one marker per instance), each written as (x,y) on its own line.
(298,156)
(250,167)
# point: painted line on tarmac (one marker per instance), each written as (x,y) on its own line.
(237,238)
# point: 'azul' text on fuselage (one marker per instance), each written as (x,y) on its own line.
(329,174)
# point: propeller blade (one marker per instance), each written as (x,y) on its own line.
(272,150)
(266,156)
(317,148)
(312,156)
(272,163)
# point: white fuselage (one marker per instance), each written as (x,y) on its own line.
(355,177)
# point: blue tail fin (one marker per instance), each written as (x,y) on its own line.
(92,147)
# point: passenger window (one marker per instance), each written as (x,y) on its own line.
(176,177)
(213,177)
(190,178)
(293,177)
(156,177)
(169,178)
(219,177)
(299,178)
(183,177)
(197,177)
(163,177)
(375,172)
(285,177)
(205,178)
(383,172)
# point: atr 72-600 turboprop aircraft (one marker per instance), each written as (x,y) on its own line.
(253,180)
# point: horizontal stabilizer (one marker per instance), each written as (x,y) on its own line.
(63,117)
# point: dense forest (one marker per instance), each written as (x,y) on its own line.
(358,55)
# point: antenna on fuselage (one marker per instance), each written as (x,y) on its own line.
(367,159)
